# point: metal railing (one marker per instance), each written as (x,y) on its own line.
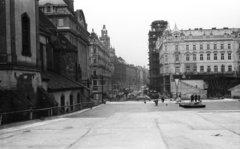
(51,111)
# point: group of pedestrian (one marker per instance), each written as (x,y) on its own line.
(195,97)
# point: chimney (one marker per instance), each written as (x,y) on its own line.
(70,4)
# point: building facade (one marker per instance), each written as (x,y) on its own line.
(200,61)
(100,68)
(73,26)
(143,76)
(59,72)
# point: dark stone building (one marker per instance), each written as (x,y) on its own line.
(157,28)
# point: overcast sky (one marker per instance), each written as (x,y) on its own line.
(128,21)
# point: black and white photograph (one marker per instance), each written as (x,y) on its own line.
(119,74)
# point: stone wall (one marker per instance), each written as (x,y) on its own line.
(24,81)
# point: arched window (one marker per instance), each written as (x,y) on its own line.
(229,56)
(26,48)
(194,57)
(222,56)
(201,57)
(208,56)
(215,56)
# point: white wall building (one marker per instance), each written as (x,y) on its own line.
(192,54)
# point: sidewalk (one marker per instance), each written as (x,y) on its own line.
(30,123)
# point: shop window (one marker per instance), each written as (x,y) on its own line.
(229,67)
(201,68)
(208,68)
(215,68)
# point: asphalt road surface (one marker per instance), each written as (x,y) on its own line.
(132,125)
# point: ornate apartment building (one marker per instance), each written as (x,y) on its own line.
(202,61)
(100,66)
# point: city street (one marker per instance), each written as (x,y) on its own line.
(132,125)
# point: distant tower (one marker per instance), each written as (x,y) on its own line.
(157,28)
(105,38)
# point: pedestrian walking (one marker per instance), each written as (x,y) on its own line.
(195,97)
(192,98)
(162,98)
(156,101)
(199,98)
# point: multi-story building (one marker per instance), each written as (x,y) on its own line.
(74,27)
(59,72)
(132,78)
(100,67)
(143,76)
(119,75)
(157,28)
(199,61)
(105,39)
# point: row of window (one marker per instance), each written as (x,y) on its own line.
(215,68)
(215,57)
(201,47)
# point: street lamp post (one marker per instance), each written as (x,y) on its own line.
(102,86)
